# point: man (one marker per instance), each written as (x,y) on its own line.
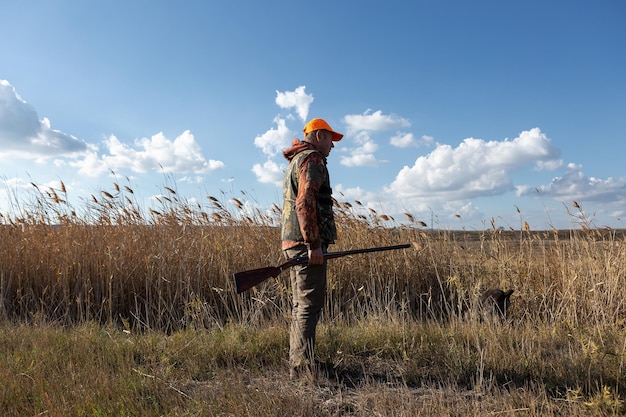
(308,227)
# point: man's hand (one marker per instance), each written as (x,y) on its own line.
(316,256)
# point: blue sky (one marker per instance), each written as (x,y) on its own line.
(463,114)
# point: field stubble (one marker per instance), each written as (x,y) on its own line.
(117,311)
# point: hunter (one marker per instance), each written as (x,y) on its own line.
(308,227)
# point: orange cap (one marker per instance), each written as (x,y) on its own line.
(317,124)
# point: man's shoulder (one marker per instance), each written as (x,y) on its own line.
(310,155)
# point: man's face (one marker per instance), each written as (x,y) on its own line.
(325,142)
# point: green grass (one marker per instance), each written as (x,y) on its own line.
(390,370)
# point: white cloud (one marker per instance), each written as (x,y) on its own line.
(363,154)
(374,122)
(22,134)
(475,168)
(269,173)
(274,141)
(296,99)
(407,140)
(195,179)
(403,140)
(353,193)
(360,126)
(360,160)
(158,153)
(550,165)
(574,185)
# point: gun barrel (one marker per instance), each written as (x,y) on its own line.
(247,279)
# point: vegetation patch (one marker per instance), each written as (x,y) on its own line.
(113,309)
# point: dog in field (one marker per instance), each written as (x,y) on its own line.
(495,302)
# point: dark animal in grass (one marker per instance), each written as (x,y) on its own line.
(495,302)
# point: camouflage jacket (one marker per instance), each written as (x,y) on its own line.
(307,215)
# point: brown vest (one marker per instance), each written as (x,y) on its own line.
(325,218)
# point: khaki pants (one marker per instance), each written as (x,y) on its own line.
(308,284)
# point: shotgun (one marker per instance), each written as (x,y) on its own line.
(248,279)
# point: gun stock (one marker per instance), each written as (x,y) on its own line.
(247,279)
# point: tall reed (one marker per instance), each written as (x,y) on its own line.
(170,266)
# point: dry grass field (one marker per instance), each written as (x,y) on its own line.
(111,309)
